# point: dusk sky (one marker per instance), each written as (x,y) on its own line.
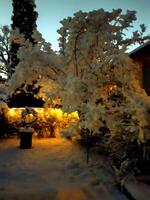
(51,12)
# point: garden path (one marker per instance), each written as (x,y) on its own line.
(53,169)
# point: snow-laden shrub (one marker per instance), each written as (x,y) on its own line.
(96,65)
(99,79)
(37,63)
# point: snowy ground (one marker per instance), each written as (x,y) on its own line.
(53,169)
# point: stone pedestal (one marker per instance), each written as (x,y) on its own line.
(26,137)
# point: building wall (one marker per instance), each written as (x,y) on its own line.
(142,58)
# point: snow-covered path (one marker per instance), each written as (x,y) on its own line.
(53,169)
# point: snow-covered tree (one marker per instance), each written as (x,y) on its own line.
(86,38)
(99,79)
(38,64)
(24,18)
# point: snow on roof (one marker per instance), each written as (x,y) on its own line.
(139,48)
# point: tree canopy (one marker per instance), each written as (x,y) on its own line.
(4,49)
(24,19)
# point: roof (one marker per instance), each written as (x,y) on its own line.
(141,49)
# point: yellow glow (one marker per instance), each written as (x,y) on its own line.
(109,87)
(14,115)
(112,87)
(51,116)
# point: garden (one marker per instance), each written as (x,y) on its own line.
(74,124)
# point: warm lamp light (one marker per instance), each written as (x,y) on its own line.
(44,115)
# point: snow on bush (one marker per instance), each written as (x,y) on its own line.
(99,79)
(37,62)
(93,74)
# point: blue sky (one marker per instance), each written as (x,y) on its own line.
(51,12)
